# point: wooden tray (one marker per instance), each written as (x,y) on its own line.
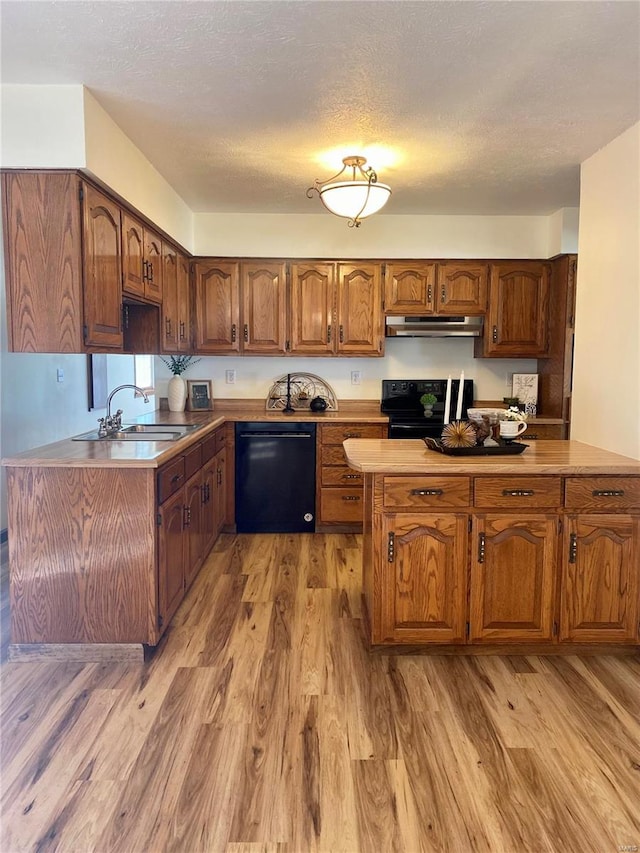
(504,448)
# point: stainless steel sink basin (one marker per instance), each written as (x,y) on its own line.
(142,432)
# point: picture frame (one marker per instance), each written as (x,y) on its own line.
(199,395)
(525,388)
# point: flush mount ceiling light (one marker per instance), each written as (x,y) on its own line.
(356,196)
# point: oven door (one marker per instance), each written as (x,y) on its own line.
(414,429)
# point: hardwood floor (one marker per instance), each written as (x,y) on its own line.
(262,725)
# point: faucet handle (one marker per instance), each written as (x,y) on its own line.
(116,420)
(102,429)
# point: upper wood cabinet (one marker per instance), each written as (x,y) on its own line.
(176,326)
(217,306)
(142,263)
(516,325)
(102,270)
(336,308)
(313,288)
(264,307)
(434,288)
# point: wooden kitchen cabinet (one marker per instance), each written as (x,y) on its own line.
(359,309)
(171,557)
(240,307)
(339,489)
(142,260)
(517,321)
(176,325)
(102,262)
(513,577)
(436,288)
(313,294)
(424,578)
(336,309)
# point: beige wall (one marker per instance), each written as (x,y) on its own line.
(606,386)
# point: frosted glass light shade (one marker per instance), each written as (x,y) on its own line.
(347,198)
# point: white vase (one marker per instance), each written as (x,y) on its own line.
(177,394)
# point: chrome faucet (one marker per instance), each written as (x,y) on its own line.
(113,423)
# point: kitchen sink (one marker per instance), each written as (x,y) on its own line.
(142,432)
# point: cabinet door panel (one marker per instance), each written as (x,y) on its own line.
(312,298)
(599,601)
(153,258)
(132,256)
(513,577)
(517,321)
(194,531)
(102,269)
(171,556)
(222,485)
(184,305)
(217,309)
(410,289)
(462,289)
(360,319)
(169,299)
(264,308)
(424,578)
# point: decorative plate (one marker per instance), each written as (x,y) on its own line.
(304,387)
(503,448)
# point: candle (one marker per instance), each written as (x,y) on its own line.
(459,406)
(447,401)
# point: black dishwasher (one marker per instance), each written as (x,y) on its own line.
(275,477)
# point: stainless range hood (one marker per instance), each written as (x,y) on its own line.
(433,327)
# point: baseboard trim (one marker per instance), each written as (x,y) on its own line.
(82,652)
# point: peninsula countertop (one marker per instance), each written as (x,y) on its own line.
(411,456)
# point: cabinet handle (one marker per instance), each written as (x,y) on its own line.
(328,334)
(353,435)
(187,516)
(352,476)
(494,335)
(341,335)
(145,273)
(391,547)
(608,493)
(233,333)
(443,294)
(532,436)
(176,478)
(246,332)
(573,547)
(429,294)
(350,497)
(181,330)
(151,271)
(481,546)
(518,493)
(167,324)
(426,492)
(219,476)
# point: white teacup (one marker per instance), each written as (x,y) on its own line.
(512,429)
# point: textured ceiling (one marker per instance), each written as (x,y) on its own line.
(463,107)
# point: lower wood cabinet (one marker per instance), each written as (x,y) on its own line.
(425,582)
(339,493)
(502,560)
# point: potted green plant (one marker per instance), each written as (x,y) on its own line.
(177,387)
(427,401)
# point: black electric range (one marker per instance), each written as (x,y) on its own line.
(401,402)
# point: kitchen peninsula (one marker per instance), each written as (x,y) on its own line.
(471,554)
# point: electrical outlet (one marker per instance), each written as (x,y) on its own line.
(356,377)
(60,375)
(230,377)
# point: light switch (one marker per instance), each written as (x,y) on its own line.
(356,377)
(230,377)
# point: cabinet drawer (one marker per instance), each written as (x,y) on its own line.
(341,505)
(414,492)
(342,477)
(221,439)
(542,432)
(192,460)
(602,493)
(333,454)
(337,434)
(170,478)
(518,492)
(209,448)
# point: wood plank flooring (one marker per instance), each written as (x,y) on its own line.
(262,725)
